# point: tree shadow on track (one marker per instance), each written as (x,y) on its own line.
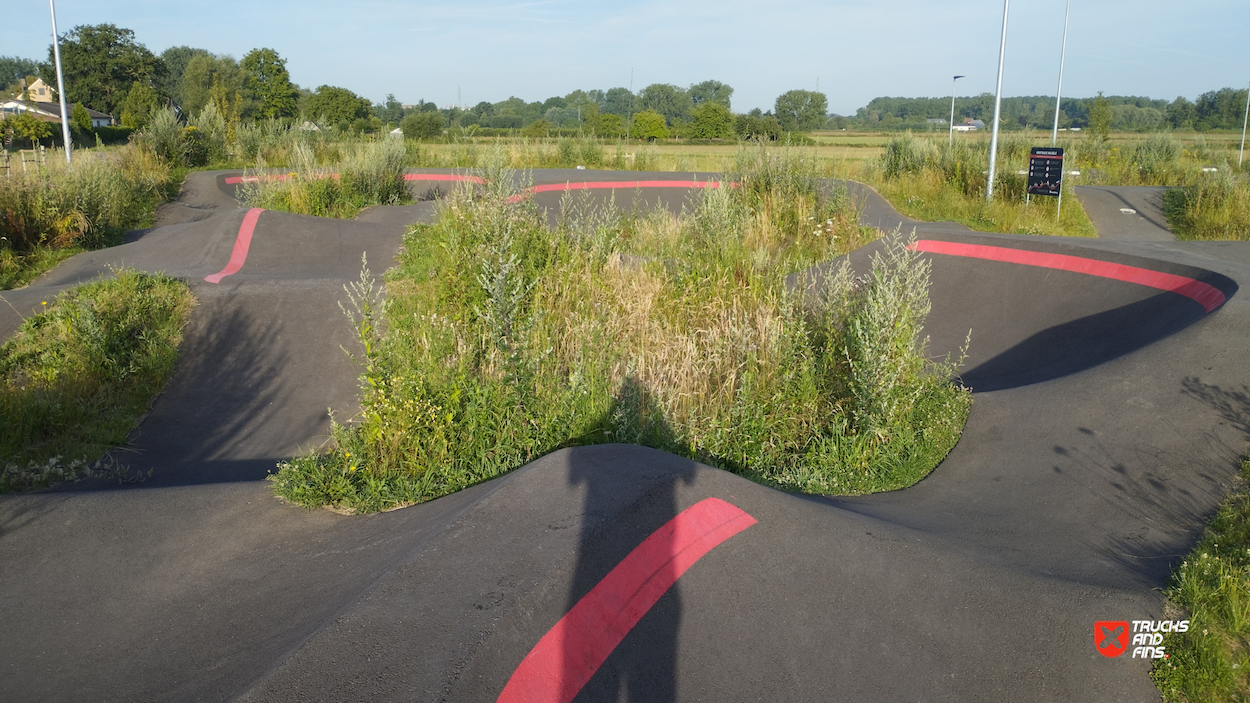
(1176,492)
(644,666)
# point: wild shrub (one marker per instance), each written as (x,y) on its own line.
(501,340)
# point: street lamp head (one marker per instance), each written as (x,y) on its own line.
(958,77)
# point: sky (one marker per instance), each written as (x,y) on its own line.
(468,51)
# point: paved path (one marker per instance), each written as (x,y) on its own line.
(1108,420)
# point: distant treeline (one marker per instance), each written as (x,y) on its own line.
(1217,109)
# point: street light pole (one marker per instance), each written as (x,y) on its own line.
(1243,130)
(1054,132)
(60,83)
(950,139)
(998,101)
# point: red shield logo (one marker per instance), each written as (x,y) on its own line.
(1111,637)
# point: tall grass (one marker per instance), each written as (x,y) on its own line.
(76,378)
(1213,206)
(501,340)
(57,210)
(370,174)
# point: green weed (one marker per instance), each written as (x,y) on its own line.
(76,379)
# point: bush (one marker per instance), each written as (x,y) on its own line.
(711,120)
(648,124)
(422,125)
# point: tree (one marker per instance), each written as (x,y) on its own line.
(203,73)
(618,101)
(1220,109)
(801,110)
(712,120)
(757,125)
(648,124)
(1182,114)
(714,91)
(13,69)
(80,118)
(269,83)
(139,105)
(176,59)
(391,111)
(101,64)
(1100,116)
(28,126)
(422,125)
(338,106)
(607,124)
(668,100)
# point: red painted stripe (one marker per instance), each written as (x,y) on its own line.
(1208,296)
(241,244)
(441,177)
(570,653)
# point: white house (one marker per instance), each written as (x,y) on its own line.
(49,111)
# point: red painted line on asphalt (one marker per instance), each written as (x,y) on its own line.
(1208,296)
(241,245)
(570,653)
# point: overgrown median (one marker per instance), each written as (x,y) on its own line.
(502,340)
(78,377)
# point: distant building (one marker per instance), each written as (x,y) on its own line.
(49,111)
(969,125)
(37,92)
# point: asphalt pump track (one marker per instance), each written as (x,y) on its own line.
(1111,407)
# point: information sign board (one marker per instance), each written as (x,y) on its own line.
(1045,171)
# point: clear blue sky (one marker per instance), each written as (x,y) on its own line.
(857,49)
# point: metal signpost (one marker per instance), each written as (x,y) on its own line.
(1046,174)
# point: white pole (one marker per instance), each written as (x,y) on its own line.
(998,100)
(1243,130)
(1054,132)
(951,137)
(60,83)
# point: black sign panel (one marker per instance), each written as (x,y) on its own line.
(1045,170)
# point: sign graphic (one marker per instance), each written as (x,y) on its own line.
(1045,171)
(1111,637)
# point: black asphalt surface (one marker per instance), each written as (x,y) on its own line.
(1107,425)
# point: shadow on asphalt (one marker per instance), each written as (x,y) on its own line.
(226,397)
(1086,342)
(643,668)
